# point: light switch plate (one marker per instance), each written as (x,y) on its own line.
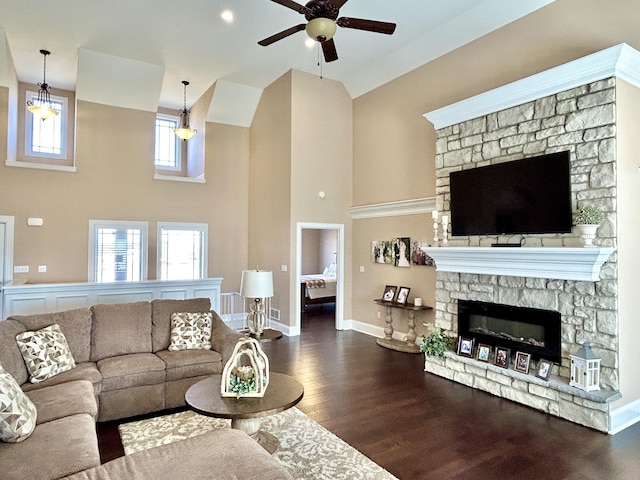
(21,269)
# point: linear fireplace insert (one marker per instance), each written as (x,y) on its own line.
(523,329)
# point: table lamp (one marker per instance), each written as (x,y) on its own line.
(256,284)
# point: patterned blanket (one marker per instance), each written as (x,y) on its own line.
(319,283)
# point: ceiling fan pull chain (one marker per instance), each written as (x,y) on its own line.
(320,59)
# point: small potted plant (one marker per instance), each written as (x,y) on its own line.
(436,343)
(586,222)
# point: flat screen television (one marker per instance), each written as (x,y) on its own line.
(528,196)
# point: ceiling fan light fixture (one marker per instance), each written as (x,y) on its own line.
(42,106)
(321,29)
(184,131)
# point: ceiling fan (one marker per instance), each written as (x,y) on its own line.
(322,20)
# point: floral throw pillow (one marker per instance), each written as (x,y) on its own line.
(17,412)
(46,352)
(190,331)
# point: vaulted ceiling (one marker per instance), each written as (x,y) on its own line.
(118,51)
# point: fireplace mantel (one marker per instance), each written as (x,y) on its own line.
(562,263)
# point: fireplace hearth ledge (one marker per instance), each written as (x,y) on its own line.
(561,263)
(554,383)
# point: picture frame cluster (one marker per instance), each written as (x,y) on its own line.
(394,294)
(501,357)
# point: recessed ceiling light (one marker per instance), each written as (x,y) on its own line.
(227,16)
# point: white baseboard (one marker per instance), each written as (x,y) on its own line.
(373,330)
(624,417)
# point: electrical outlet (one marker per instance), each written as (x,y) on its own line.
(21,269)
(283,268)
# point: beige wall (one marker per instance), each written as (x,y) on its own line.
(294,156)
(628,181)
(394,146)
(114,181)
(270,188)
(310,251)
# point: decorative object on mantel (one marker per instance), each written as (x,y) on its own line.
(246,374)
(434,216)
(586,222)
(445,228)
(585,369)
(436,343)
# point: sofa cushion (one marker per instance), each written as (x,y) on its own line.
(227,454)
(120,329)
(84,371)
(162,310)
(59,401)
(190,363)
(55,449)
(125,371)
(18,414)
(10,356)
(75,324)
(46,352)
(190,330)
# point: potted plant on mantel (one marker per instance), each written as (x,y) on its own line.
(586,222)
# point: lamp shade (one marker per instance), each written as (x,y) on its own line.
(256,284)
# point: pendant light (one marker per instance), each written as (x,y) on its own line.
(185,132)
(43,107)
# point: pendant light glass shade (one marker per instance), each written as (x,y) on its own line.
(184,131)
(42,106)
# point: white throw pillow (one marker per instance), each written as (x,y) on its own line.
(17,412)
(190,331)
(46,352)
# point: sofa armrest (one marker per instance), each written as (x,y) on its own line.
(223,338)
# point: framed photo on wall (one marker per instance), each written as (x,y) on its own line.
(403,295)
(522,362)
(389,293)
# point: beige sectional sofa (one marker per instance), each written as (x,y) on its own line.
(123,368)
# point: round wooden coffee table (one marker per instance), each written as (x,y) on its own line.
(283,392)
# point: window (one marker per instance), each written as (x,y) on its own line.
(47,138)
(117,251)
(168,149)
(182,251)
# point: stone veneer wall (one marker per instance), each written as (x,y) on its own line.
(581,120)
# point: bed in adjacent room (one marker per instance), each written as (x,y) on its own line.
(318,288)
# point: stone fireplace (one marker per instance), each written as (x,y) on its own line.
(579,117)
(530,330)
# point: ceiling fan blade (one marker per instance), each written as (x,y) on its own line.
(329,50)
(281,35)
(291,4)
(369,25)
(338,3)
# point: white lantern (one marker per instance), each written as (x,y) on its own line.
(585,369)
(246,374)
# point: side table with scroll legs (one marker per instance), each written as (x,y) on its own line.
(409,345)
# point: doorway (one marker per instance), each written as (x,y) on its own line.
(329,250)
(6,255)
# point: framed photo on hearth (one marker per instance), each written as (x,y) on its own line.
(465,347)
(403,295)
(389,293)
(544,369)
(522,362)
(483,352)
(502,357)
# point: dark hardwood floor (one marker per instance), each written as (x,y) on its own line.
(420,426)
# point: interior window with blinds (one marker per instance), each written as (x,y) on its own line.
(117,251)
(182,251)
